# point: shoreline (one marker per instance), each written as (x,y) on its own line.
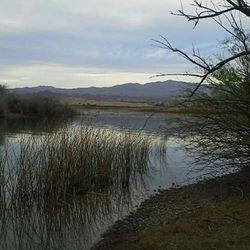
(186,217)
(146,109)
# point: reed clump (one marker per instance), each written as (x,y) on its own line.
(60,184)
(78,161)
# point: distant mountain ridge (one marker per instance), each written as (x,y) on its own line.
(151,90)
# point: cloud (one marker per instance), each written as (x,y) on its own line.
(61,41)
(64,76)
(60,75)
(30,15)
(156,54)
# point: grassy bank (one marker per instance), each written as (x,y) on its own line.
(210,215)
(81,105)
(147,108)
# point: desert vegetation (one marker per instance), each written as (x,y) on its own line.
(32,105)
(221,129)
(3,101)
(36,105)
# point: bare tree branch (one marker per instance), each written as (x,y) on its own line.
(207,12)
(201,63)
(175,74)
(235,30)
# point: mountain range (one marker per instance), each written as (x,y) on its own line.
(152,90)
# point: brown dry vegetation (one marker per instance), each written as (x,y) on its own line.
(80,105)
(211,215)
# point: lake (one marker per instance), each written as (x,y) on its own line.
(144,158)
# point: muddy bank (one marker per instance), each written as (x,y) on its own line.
(186,217)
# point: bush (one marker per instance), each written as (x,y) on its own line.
(3,104)
(35,105)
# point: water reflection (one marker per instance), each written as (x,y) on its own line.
(30,126)
(61,189)
(50,201)
(148,122)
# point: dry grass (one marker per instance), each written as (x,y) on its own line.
(225,227)
(80,105)
(113,103)
(214,214)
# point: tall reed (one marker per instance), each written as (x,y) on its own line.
(56,185)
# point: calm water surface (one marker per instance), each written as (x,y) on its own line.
(81,222)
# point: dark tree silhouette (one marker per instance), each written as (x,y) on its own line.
(3,101)
(227,12)
(219,133)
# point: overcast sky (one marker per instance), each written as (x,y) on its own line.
(81,43)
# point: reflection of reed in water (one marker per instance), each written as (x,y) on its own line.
(59,186)
(29,125)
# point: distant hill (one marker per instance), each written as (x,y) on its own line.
(153,90)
